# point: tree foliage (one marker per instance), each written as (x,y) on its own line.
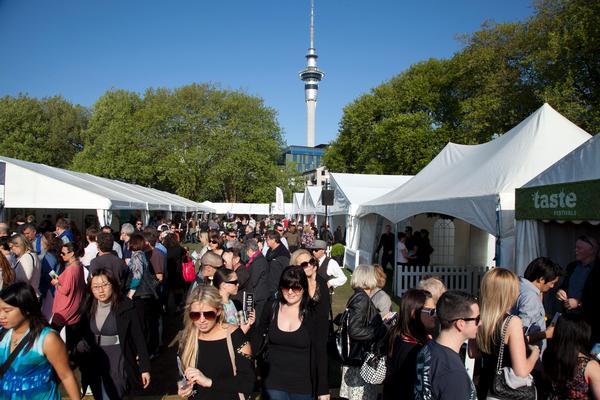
(200,141)
(45,130)
(503,73)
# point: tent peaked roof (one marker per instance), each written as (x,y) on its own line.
(351,190)
(569,168)
(470,174)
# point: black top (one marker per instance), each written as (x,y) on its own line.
(174,273)
(289,353)
(386,241)
(442,375)
(214,362)
(317,351)
(111,263)
(401,375)
(489,362)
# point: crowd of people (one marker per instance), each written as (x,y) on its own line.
(255,305)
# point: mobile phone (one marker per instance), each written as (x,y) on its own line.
(555,318)
(53,275)
(248,302)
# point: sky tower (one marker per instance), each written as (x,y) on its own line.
(311,76)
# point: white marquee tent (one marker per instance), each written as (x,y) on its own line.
(582,165)
(352,190)
(38,186)
(297,202)
(476,183)
(240,208)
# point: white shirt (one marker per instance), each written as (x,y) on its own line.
(401,258)
(90,252)
(334,270)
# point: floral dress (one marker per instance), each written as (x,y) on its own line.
(575,389)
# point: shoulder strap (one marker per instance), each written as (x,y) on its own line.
(502,339)
(232,358)
(14,354)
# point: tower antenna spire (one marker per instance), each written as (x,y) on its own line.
(311,76)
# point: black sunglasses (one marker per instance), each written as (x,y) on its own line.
(312,262)
(233,282)
(476,319)
(586,239)
(208,315)
(295,289)
(428,311)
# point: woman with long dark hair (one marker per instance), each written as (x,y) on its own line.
(7,275)
(292,338)
(226,282)
(175,282)
(115,358)
(406,338)
(570,370)
(30,375)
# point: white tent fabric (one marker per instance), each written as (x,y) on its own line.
(240,208)
(476,183)
(312,201)
(352,190)
(298,199)
(31,185)
(581,164)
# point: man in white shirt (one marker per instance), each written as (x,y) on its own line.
(329,269)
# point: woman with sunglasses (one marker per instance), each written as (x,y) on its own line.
(114,348)
(215,242)
(292,368)
(31,375)
(406,338)
(69,292)
(215,357)
(226,281)
(499,293)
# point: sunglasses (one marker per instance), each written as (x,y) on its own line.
(233,282)
(62,253)
(295,289)
(586,239)
(312,262)
(476,319)
(214,242)
(428,311)
(208,315)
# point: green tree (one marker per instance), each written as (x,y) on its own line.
(44,130)
(200,141)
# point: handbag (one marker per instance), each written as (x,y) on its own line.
(188,269)
(506,384)
(374,368)
(348,352)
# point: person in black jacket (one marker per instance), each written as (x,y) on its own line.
(365,328)
(113,354)
(258,283)
(291,366)
(278,257)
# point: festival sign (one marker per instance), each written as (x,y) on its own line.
(563,201)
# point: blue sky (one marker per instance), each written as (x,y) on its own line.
(81,48)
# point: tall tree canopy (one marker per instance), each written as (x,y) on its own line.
(200,141)
(503,73)
(45,130)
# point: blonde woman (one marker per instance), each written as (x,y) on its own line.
(206,348)
(499,293)
(28,265)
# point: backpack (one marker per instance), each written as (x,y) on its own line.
(188,269)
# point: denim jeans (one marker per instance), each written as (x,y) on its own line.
(272,394)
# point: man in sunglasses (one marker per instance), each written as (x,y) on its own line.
(579,292)
(441,373)
(209,263)
(328,269)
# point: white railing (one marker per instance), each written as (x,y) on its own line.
(463,278)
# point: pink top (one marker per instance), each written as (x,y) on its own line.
(69,295)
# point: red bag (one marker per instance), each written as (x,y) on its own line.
(188,269)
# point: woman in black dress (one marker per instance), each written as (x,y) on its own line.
(113,354)
(293,368)
(215,357)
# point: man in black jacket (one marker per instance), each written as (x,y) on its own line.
(258,268)
(278,257)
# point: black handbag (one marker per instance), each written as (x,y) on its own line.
(348,352)
(506,384)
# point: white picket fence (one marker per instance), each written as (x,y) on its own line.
(463,278)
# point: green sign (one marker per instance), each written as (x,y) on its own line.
(564,201)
